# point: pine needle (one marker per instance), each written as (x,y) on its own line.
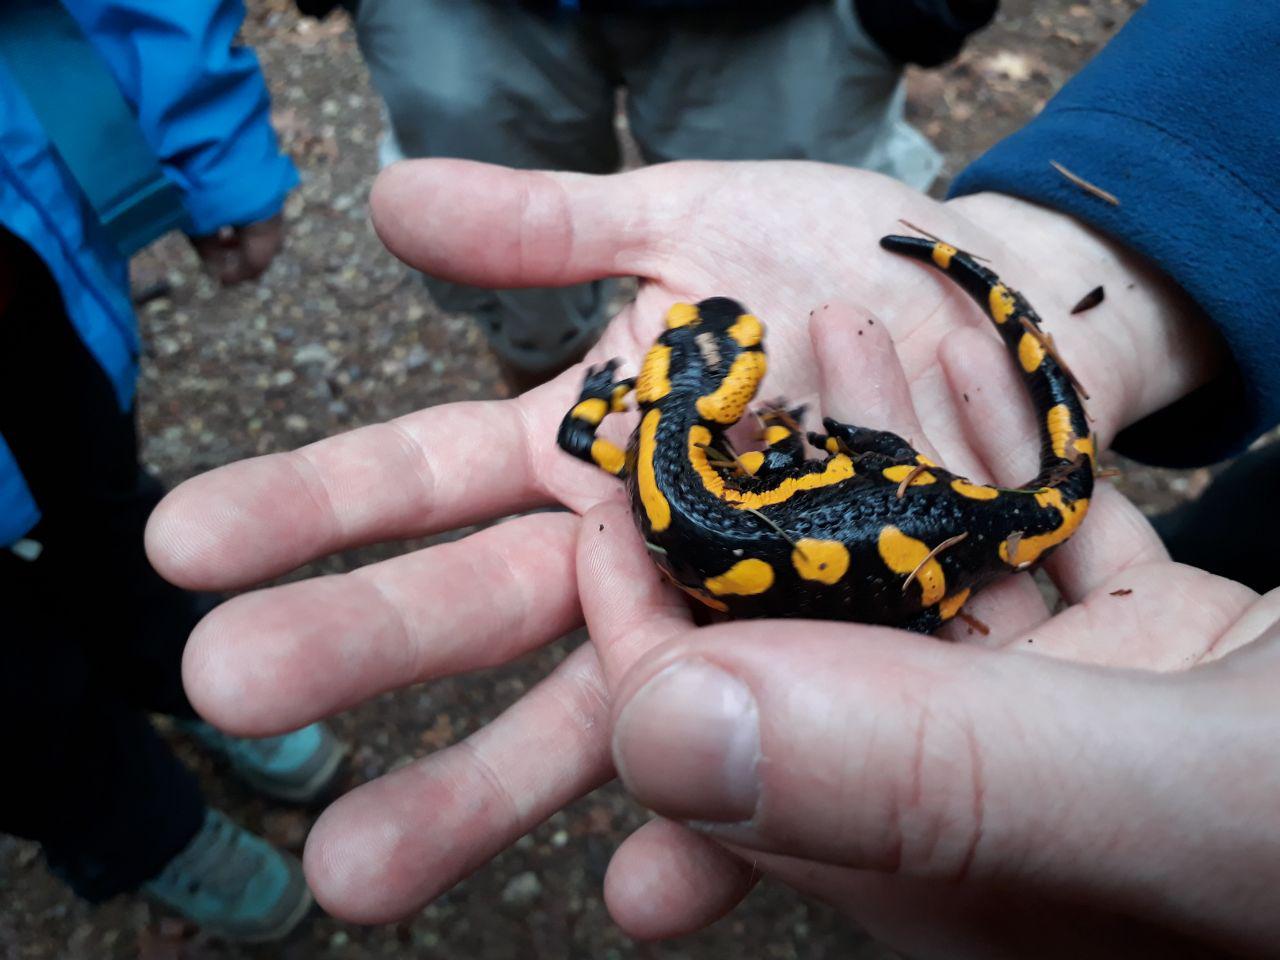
(782,533)
(944,545)
(936,239)
(1085,185)
(918,469)
(1046,342)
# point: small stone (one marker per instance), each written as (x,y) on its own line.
(283,378)
(285,828)
(339,940)
(313,353)
(522,890)
(560,838)
(417,357)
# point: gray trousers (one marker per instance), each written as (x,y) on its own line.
(488,80)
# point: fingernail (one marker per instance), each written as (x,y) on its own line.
(688,744)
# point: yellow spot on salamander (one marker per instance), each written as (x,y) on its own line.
(618,400)
(1001,303)
(751,461)
(681,315)
(656,507)
(838,468)
(832,445)
(902,554)
(949,607)
(1086,446)
(592,411)
(902,471)
(942,254)
(607,456)
(825,561)
(924,461)
(1058,421)
(730,399)
(1030,353)
(1028,550)
(775,434)
(746,578)
(653,383)
(747,330)
(974,491)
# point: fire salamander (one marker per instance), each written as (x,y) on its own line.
(873,532)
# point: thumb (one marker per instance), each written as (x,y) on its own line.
(493,226)
(881,751)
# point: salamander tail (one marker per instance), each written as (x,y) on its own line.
(1067,445)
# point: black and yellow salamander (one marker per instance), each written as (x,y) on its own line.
(874,532)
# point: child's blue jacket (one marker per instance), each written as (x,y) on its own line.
(202,105)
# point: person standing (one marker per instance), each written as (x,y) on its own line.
(93,637)
(535,84)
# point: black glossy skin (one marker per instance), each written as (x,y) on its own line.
(707,534)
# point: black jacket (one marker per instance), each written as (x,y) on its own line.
(927,32)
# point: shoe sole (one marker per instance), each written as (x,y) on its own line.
(309,791)
(291,922)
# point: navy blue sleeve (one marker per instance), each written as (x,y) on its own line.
(1179,117)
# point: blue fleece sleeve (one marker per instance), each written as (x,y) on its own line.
(1179,117)
(201,102)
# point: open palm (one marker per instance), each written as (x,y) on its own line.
(786,239)
(956,800)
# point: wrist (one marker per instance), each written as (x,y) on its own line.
(1145,346)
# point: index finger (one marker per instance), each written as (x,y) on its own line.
(628,607)
(430,471)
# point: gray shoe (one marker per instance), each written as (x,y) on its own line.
(296,767)
(234,884)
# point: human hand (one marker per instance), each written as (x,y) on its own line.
(784,239)
(236,254)
(957,800)
(952,802)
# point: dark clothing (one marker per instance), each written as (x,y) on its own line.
(927,32)
(1232,529)
(94,636)
(924,32)
(1178,118)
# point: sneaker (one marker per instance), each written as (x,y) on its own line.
(297,767)
(233,884)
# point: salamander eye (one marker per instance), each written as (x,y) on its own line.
(710,350)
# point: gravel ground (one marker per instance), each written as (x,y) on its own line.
(337,335)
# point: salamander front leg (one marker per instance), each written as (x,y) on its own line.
(601,395)
(859,441)
(783,437)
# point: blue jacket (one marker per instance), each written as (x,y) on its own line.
(202,105)
(1179,118)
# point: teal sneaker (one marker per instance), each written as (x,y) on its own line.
(233,884)
(298,767)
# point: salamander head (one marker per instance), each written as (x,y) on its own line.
(723,343)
